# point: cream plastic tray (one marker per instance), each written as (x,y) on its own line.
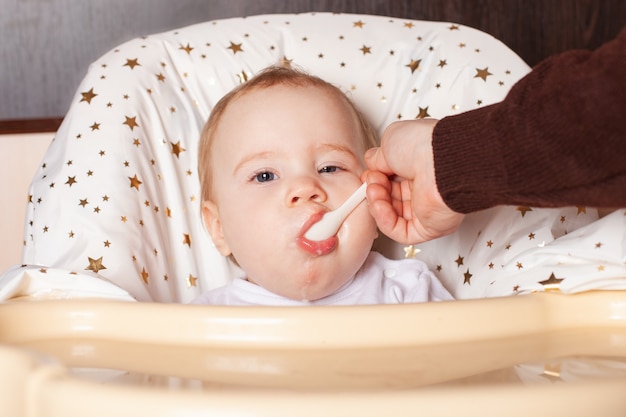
(437,359)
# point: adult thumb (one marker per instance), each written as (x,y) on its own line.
(375,161)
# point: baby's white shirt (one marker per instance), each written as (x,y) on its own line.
(379,281)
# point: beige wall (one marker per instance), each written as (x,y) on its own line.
(20,155)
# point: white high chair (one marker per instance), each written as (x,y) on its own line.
(114,214)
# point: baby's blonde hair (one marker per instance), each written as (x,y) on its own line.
(269,77)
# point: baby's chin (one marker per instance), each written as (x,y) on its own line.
(312,291)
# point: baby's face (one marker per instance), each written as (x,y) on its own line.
(282,157)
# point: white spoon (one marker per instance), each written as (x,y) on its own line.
(330,223)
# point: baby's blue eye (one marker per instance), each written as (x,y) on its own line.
(265,177)
(329,169)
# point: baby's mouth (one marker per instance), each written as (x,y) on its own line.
(315,247)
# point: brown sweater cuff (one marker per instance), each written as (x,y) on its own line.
(468,177)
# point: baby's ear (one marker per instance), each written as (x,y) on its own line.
(211,216)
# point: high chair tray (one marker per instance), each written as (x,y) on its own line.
(304,358)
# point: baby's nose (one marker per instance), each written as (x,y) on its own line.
(305,190)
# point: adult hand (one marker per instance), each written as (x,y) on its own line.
(402,191)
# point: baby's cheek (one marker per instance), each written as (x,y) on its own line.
(366,227)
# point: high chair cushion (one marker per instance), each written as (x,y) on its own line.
(117,194)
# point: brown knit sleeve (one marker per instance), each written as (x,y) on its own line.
(557,139)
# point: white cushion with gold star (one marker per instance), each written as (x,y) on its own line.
(519,250)
(117,194)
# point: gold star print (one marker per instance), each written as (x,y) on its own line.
(459,260)
(366,50)
(186,239)
(552,283)
(489,243)
(467,277)
(358,24)
(88,96)
(598,245)
(95,265)
(235,47)
(135,182)
(423,113)
(83,203)
(192,281)
(523,210)
(71,181)
(454,27)
(144,275)
(519,265)
(482,73)
(107,244)
(177,149)
(187,48)
(414,65)
(408,25)
(410,251)
(582,210)
(131,122)
(95,126)
(132,63)
(442,63)
(160,77)
(243,77)
(552,372)
(531,236)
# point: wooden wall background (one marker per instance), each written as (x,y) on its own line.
(47,45)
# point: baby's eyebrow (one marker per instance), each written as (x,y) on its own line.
(325,147)
(252,157)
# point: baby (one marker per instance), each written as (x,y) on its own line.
(277,153)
